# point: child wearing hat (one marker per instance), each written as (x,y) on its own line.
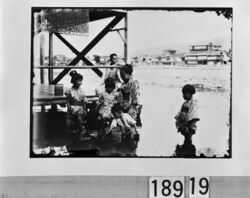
(187,117)
(76,104)
(131,86)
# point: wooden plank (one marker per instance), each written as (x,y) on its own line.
(44,94)
(117,29)
(75,67)
(41,57)
(43,103)
(126,38)
(50,74)
(40,102)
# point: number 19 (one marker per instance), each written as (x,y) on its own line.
(203,184)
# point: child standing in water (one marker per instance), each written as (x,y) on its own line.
(107,99)
(76,104)
(130,89)
(113,72)
(126,100)
(187,117)
(122,124)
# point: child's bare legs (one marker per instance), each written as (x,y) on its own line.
(70,122)
(188,136)
(81,121)
(135,112)
(104,123)
(188,139)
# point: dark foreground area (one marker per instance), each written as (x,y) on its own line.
(51,138)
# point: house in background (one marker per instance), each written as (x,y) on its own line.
(205,54)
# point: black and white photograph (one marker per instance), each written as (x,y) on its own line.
(131,82)
(145,99)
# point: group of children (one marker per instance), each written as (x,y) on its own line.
(116,108)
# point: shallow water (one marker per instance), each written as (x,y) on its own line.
(161,98)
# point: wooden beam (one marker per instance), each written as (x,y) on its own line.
(75,67)
(41,57)
(82,54)
(123,39)
(126,38)
(117,29)
(50,74)
(42,62)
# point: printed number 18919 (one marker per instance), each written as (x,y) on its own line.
(174,187)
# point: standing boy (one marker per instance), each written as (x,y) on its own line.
(113,72)
(187,117)
(132,86)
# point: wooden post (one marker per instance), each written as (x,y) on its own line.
(42,63)
(41,57)
(51,64)
(50,73)
(126,38)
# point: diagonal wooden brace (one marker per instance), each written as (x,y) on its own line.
(81,55)
(96,70)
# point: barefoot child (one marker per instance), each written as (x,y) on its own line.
(122,124)
(131,88)
(107,99)
(76,104)
(187,117)
(125,100)
(113,72)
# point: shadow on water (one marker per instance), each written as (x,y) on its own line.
(51,139)
(186,150)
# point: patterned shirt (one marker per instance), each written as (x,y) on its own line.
(133,86)
(188,112)
(106,101)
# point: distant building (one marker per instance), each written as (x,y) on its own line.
(204,54)
(166,58)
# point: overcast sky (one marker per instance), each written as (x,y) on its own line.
(149,32)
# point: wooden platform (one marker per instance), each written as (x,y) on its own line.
(45,94)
